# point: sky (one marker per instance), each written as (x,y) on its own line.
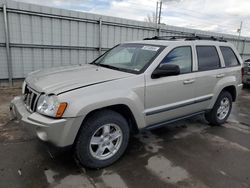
(222,16)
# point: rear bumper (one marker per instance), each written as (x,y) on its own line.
(246,79)
(60,132)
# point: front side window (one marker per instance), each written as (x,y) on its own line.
(129,57)
(181,56)
(208,58)
(230,58)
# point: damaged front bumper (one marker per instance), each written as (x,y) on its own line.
(60,132)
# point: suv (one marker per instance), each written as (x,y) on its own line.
(145,84)
(246,72)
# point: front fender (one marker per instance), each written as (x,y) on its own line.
(136,110)
(82,102)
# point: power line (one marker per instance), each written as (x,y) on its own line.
(139,6)
(189,13)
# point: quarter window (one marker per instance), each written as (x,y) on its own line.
(229,57)
(208,58)
(181,56)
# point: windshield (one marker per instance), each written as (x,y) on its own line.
(129,57)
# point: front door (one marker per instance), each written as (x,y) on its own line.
(171,97)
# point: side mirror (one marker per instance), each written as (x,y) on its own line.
(165,70)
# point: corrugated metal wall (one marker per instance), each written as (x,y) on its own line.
(43,37)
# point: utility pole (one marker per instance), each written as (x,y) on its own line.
(159,21)
(239,31)
(158,17)
(156,13)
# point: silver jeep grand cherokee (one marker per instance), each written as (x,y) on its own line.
(135,85)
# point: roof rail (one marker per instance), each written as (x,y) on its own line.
(187,37)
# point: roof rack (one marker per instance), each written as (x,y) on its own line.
(187,37)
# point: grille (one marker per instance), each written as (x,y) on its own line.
(30,98)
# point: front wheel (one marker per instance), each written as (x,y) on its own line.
(102,140)
(221,110)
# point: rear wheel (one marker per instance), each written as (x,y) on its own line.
(102,140)
(221,110)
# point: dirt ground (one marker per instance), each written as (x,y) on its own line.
(6,95)
(189,153)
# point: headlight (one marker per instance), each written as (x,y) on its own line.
(50,106)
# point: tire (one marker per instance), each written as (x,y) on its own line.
(95,140)
(216,118)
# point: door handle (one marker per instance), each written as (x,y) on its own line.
(220,75)
(188,81)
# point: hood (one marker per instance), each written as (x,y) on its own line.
(63,79)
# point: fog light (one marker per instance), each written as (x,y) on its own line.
(42,135)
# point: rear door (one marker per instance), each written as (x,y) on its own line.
(209,72)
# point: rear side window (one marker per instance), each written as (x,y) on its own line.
(229,56)
(208,58)
(181,56)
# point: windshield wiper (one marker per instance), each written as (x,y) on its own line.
(109,66)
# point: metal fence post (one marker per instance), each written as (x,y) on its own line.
(7,45)
(100,36)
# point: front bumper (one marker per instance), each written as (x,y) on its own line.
(60,132)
